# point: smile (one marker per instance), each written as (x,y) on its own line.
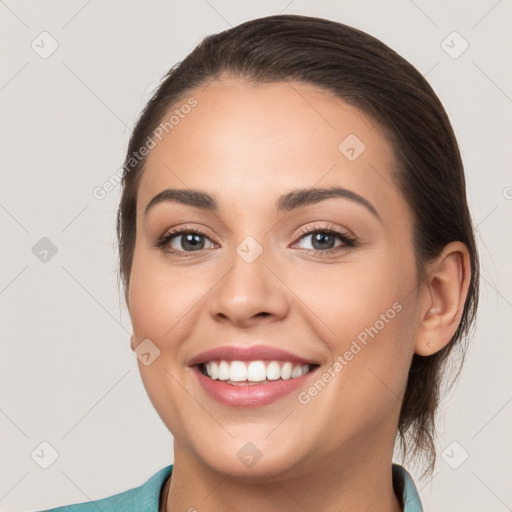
(253,372)
(251,376)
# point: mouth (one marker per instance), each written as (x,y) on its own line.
(254,383)
(254,373)
(250,376)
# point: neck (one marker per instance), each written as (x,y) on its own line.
(359,483)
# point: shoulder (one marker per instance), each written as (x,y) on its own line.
(144,498)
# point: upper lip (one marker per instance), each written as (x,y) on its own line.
(255,352)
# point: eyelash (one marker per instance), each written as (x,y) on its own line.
(348,240)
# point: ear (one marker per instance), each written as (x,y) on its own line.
(443,297)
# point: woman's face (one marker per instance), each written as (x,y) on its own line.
(268,269)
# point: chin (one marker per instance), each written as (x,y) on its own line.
(258,461)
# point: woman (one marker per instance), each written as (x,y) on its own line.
(298,261)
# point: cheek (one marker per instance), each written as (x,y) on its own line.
(158,300)
(369,310)
(158,312)
(358,296)
(371,344)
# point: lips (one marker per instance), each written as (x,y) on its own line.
(256,352)
(257,375)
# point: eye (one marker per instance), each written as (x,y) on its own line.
(180,242)
(324,239)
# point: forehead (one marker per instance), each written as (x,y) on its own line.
(255,142)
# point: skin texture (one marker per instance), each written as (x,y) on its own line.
(247,145)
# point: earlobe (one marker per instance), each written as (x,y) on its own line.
(445,292)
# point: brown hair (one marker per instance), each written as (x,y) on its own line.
(366,73)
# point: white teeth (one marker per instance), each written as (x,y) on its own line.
(254,371)
(299,370)
(273,370)
(286,371)
(238,371)
(223,373)
(214,371)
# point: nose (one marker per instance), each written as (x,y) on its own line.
(249,294)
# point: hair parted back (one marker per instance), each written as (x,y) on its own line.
(367,74)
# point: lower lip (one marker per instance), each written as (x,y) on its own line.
(249,395)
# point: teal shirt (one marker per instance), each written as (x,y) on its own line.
(146,497)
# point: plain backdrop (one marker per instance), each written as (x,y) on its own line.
(68,376)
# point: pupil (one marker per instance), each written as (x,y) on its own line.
(193,241)
(322,237)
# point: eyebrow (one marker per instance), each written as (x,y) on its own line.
(287,202)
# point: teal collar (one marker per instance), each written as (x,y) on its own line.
(404,487)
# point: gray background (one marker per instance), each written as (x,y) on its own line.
(68,376)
